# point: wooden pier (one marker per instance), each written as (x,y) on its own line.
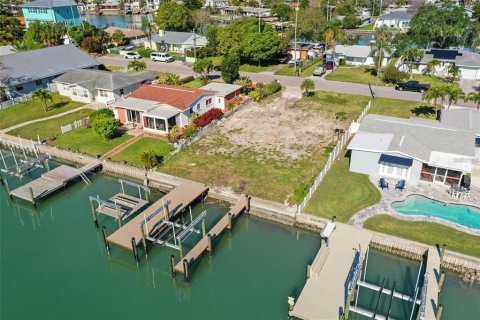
(52,181)
(206,242)
(172,205)
(432,277)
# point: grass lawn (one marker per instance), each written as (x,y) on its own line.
(367,27)
(114,68)
(194,84)
(342,193)
(33,109)
(131,154)
(363,75)
(288,71)
(426,232)
(252,68)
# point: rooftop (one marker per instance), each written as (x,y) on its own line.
(97,79)
(461,58)
(174,37)
(179,97)
(49,4)
(249,9)
(129,33)
(465,118)
(400,15)
(222,89)
(48,62)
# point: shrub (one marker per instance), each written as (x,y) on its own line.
(173,135)
(189,130)
(341,116)
(392,75)
(262,91)
(169,78)
(208,117)
(100,113)
(186,79)
(104,123)
(230,67)
(149,159)
(145,53)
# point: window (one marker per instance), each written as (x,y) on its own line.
(160,124)
(392,170)
(66,87)
(121,91)
(19,87)
(39,82)
(84,93)
(209,101)
(32,10)
(149,123)
(219,100)
(44,11)
(103,93)
(198,106)
(191,111)
(133,116)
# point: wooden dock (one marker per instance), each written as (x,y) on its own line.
(204,244)
(324,293)
(179,199)
(433,278)
(52,181)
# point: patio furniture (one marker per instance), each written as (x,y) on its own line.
(400,185)
(383,184)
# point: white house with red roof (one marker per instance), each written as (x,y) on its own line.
(157,108)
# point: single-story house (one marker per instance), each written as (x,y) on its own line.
(224,93)
(412,150)
(216,4)
(395,20)
(157,108)
(130,34)
(467,119)
(246,11)
(304,50)
(175,41)
(26,71)
(468,62)
(355,55)
(100,86)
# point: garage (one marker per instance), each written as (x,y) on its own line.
(470,73)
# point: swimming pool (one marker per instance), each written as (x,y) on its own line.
(465,215)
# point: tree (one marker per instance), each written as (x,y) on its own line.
(390,74)
(307,86)
(453,94)
(104,124)
(281,9)
(118,38)
(10,29)
(262,47)
(44,96)
(244,81)
(212,38)
(433,95)
(401,42)
(169,78)
(474,97)
(432,66)
(41,35)
(453,73)
(137,65)
(149,159)
(230,68)
(203,67)
(410,57)
(78,33)
(383,37)
(173,17)
(333,33)
(311,23)
(351,21)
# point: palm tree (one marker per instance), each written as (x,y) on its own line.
(44,96)
(118,37)
(411,56)
(307,86)
(433,95)
(432,65)
(453,93)
(333,33)
(474,97)
(453,73)
(137,65)
(383,38)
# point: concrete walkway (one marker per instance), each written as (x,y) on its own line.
(94,106)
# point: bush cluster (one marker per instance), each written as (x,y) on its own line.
(390,74)
(145,53)
(262,91)
(208,117)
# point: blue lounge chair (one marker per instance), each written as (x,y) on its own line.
(400,185)
(383,184)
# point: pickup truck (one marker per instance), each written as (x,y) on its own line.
(412,86)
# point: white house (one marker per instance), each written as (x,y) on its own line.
(247,11)
(413,150)
(175,41)
(395,20)
(216,4)
(157,108)
(100,86)
(355,55)
(224,93)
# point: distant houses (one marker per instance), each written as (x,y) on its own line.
(26,71)
(355,55)
(87,85)
(394,20)
(175,41)
(58,11)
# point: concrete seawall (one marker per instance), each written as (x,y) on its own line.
(468,267)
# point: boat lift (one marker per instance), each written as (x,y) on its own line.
(23,165)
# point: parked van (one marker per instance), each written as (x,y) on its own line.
(161,56)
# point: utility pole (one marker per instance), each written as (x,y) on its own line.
(295,59)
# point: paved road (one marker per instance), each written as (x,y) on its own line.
(293,82)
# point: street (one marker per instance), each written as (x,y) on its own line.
(294,83)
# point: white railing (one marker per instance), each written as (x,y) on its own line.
(333,155)
(75,124)
(14,101)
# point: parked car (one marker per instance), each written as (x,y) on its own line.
(319,70)
(328,65)
(132,55)
(292,62)
(161,56)
(412,86)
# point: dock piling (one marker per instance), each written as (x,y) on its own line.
(7,186)
(442,252)
(186,272)
(441,281)
(32,198)
(203,227)
(144,240)
(210,246)
(1,180)
(134,249)
(229,221)
(172,265)
(291,303)
(104,233)
(248,203)
(439,312)
(95,220)
(309,271)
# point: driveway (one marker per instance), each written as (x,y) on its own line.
(469,85)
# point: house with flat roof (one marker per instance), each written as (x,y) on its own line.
(26,71)
(157,108)
(130,34)
(394,20)
(355,55)
(468,62)
(224,93)
(87,85)
(57,11)
(412,149)
(175,41)
(246,11)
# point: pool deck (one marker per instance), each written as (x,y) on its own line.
(427,189)
(324,293)
(433,270)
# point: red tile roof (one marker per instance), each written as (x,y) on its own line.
(176,96)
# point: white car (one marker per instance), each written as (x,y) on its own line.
(161,56)
(132,55)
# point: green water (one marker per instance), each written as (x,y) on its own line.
(460,299)
(54,266)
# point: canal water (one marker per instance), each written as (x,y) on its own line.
(54,265)
(120,21)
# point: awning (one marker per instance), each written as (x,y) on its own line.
(396,161)
(162,111)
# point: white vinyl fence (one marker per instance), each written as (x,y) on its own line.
(74,125)
(14,101)
(333,155)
